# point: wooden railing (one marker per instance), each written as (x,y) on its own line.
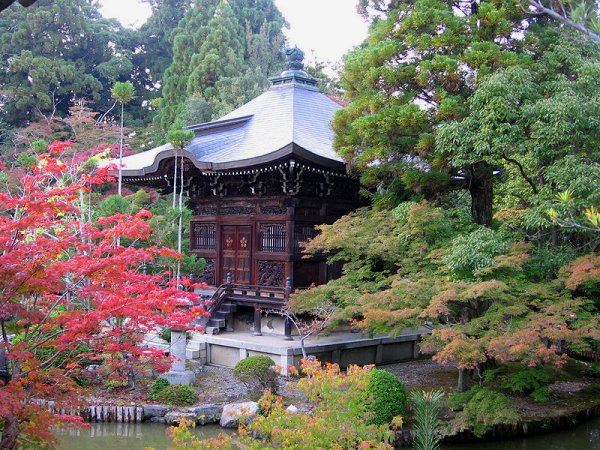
(249,293)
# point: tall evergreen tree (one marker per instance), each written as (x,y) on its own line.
(152,47)
(421,61)
(223,53)
(56,50)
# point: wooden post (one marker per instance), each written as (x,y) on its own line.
(257,323)
(288,288)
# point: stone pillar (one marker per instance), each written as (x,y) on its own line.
(257,323)
(287,328)
(178,374)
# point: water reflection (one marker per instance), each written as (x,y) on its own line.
(583,437)
(137,436)
(124,436)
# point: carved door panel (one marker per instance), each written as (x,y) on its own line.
(237,252)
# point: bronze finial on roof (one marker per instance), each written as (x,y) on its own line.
(295,58)
(294,73)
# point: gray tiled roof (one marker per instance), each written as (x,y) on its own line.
(289,118)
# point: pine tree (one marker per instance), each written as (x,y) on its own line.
(55,50)
(420,63)
(153,51)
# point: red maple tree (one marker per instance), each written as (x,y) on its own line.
(73,293)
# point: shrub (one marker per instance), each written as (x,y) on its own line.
(386,397)
(594,370)
(257,373)
(113,385)
(178,395)
(457,401)
(533,382)
(485,409)
(157,387)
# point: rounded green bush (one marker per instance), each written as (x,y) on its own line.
(157,387)
(385,397)
(178,395)
(257,372)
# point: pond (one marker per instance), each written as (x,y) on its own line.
(120,436)
(125,436)
(582,437)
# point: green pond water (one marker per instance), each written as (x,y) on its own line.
(115,436)
(125,436)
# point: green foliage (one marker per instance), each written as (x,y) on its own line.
(338,415)
(178,395)
(426,408)
(165,334)
(385,397)
(484,409)
(450,52)
(123,92)
(113,385)
(530,381)
(56,52)
(475,251)
(223,53)
(337,418)
(114,204)
(456,401)
(547,260)
(157,387)
(594,370)
(26,161)
(164,223)
(258,373)
(179,137)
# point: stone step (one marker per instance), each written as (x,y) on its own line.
(216,322)
(205,291)
(191,353)
(228,307)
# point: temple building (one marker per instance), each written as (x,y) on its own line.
(258,180)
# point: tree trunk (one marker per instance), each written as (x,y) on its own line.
(481,187)
(463,380)
(10,433)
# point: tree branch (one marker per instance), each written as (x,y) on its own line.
(522,171)
(562,18)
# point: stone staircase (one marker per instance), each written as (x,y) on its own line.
(221,319)
(196,348)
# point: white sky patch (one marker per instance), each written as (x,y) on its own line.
(327,28)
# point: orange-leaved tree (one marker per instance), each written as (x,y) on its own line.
(70,296)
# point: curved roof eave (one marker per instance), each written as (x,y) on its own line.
(291,149)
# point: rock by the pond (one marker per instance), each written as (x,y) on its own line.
(207,413)
(234,412)
(292,409)
(151,411)
(173,417)
(157,420)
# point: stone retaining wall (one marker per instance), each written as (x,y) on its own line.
(202,414)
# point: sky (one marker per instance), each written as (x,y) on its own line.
(326,28)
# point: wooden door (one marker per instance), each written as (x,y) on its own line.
(237,252)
